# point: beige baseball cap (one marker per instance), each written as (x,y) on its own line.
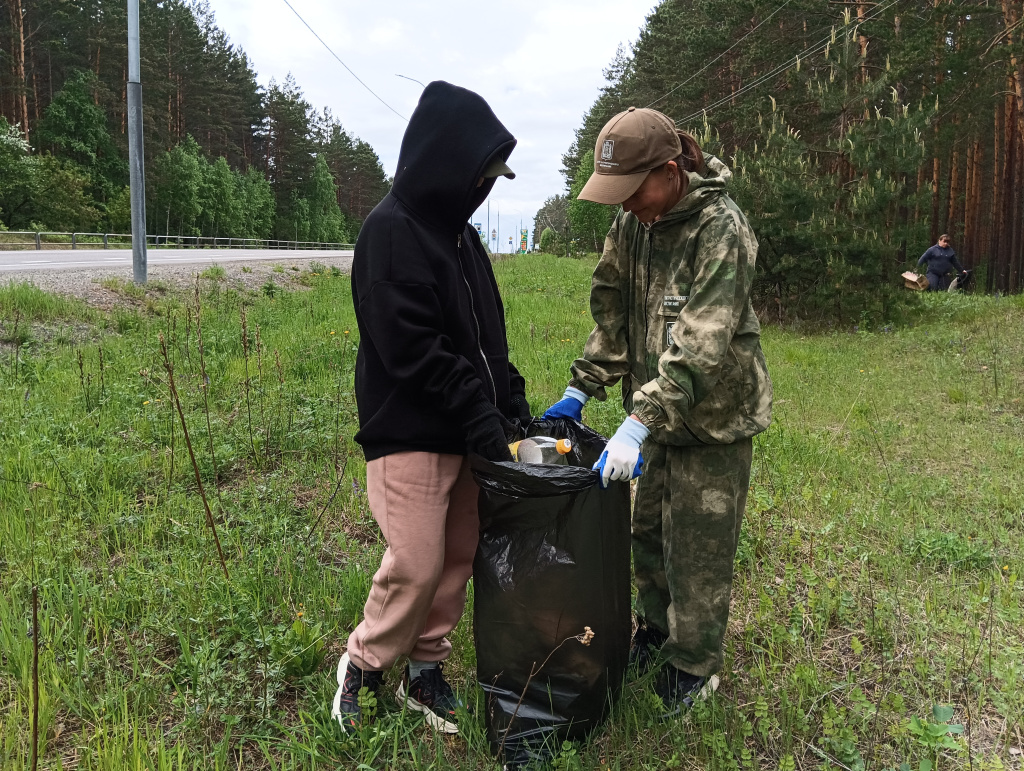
(629,147)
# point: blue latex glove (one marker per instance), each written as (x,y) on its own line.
(571,406)
(621,459)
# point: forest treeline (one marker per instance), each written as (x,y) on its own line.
(224,155)
(858,132)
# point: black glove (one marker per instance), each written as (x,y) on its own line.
(519,409)
(486,436)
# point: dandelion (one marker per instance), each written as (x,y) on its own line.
(346,331)
(145,402)
(1006,567)
(332,331)
(299,614)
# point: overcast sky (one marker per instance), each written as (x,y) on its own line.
(539,65)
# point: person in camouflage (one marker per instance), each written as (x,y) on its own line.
(674,323)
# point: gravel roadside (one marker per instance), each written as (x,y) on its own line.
(99,287)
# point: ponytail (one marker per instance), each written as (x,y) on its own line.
(692,157)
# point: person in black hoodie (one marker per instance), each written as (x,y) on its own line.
(433,384)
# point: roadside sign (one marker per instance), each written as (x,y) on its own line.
(479,229)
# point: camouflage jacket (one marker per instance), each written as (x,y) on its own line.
(675,322)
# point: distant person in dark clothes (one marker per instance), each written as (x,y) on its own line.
(940,259)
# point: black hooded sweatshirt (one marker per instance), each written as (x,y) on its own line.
(433,356)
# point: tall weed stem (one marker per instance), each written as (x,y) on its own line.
(192,456)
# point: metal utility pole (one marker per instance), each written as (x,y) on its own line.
(488,224)
(137,177)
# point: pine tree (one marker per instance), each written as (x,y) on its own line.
(588,221)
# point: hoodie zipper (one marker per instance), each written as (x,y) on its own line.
(647,297)
(476,322)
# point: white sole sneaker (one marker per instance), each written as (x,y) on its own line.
(435,721)
(709,687)
(336,705)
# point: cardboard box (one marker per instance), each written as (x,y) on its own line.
(912,280)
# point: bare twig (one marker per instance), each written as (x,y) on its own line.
(35,677)
(188,443)
(14,340)
(823,755)
(878,446)
(81,379)
(583,638)
(205,388)
(245,354)
(330,500)
(263,411)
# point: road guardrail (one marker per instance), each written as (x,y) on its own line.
(39,240)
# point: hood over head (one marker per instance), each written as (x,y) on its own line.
(453,136)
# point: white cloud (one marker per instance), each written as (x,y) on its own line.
(538,64)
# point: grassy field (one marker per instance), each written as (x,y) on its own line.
(878,607)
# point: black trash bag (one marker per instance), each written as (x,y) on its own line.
(553,559)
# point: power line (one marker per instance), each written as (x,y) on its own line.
(806,53)
(331,52)
(397,75)
(727,50)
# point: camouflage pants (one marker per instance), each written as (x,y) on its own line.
(686,527)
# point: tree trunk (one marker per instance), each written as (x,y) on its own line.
(975,242)
(18,41)
(917,191)
(995,224)
(36,108)
(936,170)
(1011,16)
(1013,279)
(968,225)
(124,101)
(1010,152)
(953,196)
(96,91)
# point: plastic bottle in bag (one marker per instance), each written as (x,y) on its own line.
(541,449)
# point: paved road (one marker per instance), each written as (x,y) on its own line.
(58,259)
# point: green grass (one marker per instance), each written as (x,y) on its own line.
(215,272)
(878,573)
(31,303)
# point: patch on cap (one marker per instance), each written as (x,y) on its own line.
(629,147)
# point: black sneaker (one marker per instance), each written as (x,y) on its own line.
(679,690)
(351,679)
(430,694)
(645,646)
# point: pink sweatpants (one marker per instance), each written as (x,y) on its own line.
(426,506)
